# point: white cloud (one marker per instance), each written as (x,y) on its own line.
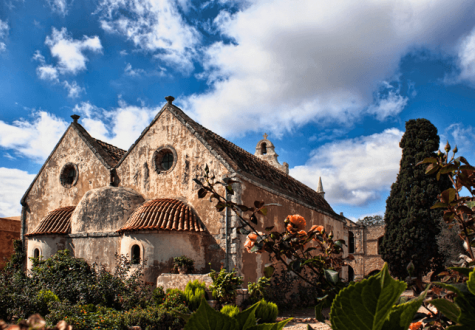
(458,135)
(4,28)
(47,72)
(69,52)
(13,184)
(322,61)
(34,139)
(153,26)
(466,57)
(354,171)
(120,126)
(74,90)
(59,6)
(129,71)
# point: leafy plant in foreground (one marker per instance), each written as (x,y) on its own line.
(194,291)
(206,318)
(266,312)
(230,310)
(374,300)
(224,285)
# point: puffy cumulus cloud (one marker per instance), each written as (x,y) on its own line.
(153,26)
(354,171)
(459,135)
(33,138)
(74,90)
(120,126)
(69,52)
(301,61)
(60,6)
(466,61)
(13,184)
(4,28)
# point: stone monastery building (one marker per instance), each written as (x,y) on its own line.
(98,200)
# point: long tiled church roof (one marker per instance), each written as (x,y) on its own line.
(242,162)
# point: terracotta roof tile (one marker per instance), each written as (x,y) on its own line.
(114,152)
(163,214)
(55,222)
(242,161)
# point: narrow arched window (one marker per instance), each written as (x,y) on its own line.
(264,148)
(351,274)
(351,243)
(135,254)
(380,242)
(36,253)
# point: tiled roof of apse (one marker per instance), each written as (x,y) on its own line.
(163,214)
(56,222)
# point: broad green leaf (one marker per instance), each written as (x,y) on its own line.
(318,312)
(247,318)
(271,326)
(331,276)
(467,309)
(366,305)
(309,327)
(457,288)
(446,307)
(206,318)
(432,168)
(471,282)
(462,270)
(448,195)
(268,271)
(459,327)
(402,315)
(427,160)
(185,317)
(448,168)
(471,204)
(439,205)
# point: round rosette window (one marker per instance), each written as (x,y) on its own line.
(164,159)
(69,175)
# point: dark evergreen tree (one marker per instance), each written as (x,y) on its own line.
(411,226)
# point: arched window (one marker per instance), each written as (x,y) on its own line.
(36,253)
(135,254)
(380,241)
(264,148)
(351,243)
(351,274)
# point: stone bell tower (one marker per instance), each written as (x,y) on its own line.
(265,150)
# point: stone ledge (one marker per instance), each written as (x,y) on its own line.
(169,281)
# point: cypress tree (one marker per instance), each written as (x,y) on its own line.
(411,226)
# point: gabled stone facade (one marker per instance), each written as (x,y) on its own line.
(143,202)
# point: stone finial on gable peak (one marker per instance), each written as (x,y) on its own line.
(75,118)
(170,99)
(265,150)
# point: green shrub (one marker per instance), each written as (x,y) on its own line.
(230,310)
(45,297)
(257,291)
(224,285)
(83,317)
(194,291)
(184,263)
(155,318)
(158,295)
(266,312)
(175,298)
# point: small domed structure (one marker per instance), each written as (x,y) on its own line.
(104,209)
(265,150)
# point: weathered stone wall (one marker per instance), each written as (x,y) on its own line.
(137,170)
(104,210)
(98,249)
(366,254)
(158,248)
(47,192)
(47,246)
(253,264)
(9,231)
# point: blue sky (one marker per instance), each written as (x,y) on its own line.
(332,83)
